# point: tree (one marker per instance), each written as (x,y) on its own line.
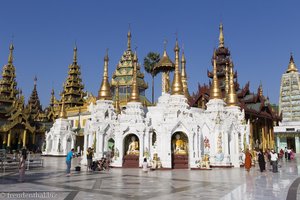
(150,61)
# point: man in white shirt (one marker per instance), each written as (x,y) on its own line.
(274,158)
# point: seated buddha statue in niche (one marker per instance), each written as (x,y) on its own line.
(180,146)
(133,147)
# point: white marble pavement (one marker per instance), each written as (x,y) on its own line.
(120,183)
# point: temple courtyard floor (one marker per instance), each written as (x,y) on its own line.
(50,182)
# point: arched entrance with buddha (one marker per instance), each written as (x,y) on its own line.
(179,147)
(131,151)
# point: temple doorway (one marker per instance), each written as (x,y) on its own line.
(179,147)
(131,151)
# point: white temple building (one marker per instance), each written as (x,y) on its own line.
(171,132)
(60,139)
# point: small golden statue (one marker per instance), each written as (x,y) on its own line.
(180,146)
(133,148)
(155,163)
(205,162)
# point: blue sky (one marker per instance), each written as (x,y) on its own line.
(259,34)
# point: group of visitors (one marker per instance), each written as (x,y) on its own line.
(288,153)
(268,156)
(100,165)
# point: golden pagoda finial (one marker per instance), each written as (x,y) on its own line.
(117,99)
(221,36)
(134,96)
(184,76)
(129,38)
(231,98)
(63,113)
(75,54)
(177,88)
(215,92)
(10,56)
(226,81)
(292,66)
(104,92)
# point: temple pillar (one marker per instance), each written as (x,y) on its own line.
(33,138)
(8,138)
(100,144)
(263,142)
(272,137)
(297,144)
(278,143)
(251,136)
(24,137)
(141,149)
(267,135)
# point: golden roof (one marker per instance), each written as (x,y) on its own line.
(165,63)
(124,71)
(292,66)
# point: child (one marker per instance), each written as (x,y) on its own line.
(145,165)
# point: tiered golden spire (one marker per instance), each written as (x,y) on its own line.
(292,66)
(10,56)
(129,39)
(75,54)
(134,96)
(184,76)
(177,88)
(117,100)
(231,98)
(104,92)
(63,113)
(221,36)
(215,92)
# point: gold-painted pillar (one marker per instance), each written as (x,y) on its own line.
(8,138)
(263,138)
(24,138)
(271,138)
